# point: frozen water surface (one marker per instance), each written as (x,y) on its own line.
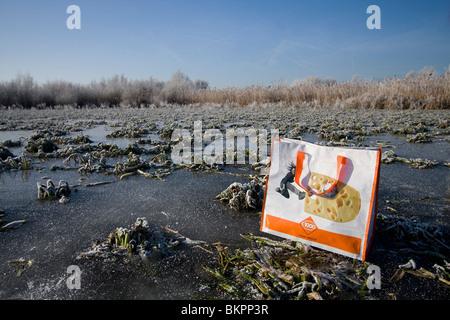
(55,234)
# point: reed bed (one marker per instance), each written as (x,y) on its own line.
(424,90)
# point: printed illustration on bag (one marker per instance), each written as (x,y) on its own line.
(287,184)
(339,204)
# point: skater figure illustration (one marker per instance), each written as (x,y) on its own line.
(287,184)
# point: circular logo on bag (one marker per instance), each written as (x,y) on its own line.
(308,225)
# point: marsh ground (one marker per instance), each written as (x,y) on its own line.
(55,234)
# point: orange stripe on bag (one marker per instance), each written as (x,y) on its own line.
(373,202)
(312,233)
(267,183)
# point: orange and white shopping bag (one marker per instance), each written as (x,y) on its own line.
(323,196)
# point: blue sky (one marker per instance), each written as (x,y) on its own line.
(227,43)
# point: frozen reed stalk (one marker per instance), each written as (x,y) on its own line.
(410,265)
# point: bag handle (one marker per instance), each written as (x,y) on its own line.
(341,162)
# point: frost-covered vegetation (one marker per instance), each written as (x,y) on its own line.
(425,89)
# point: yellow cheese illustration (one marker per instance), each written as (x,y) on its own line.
(343,207)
